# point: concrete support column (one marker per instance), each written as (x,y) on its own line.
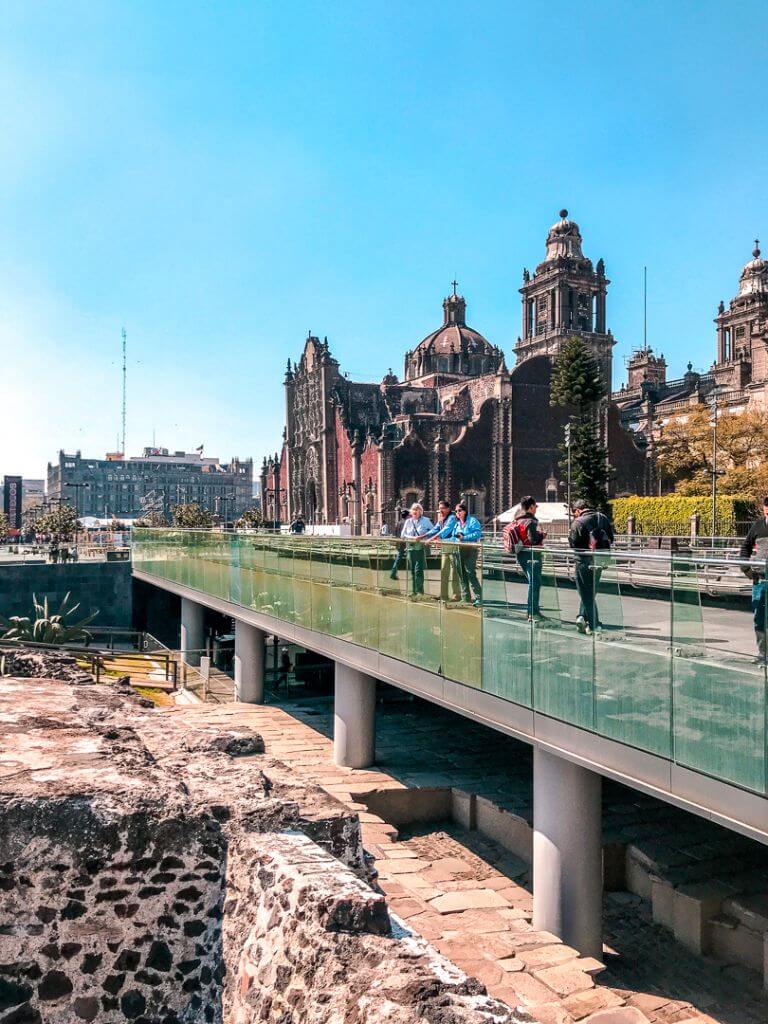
(567,853)
(249,663)
(354,718)
(192,634)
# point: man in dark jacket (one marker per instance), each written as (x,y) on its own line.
(520,538)
(755,548)
(591,531)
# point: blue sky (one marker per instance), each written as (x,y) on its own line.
(222,177)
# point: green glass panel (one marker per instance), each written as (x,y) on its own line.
(392,629)
(632,660)
(365,611)
(719,715)
(719,686)
(563,657)
(246,587)
(285,559)
(506,631)
(423,645)
(462,643)
(302,600)
(366,618)
(392,558)
(302,559)
(321,606)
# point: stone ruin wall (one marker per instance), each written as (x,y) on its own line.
(152,871)
(108,914)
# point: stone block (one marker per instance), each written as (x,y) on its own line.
(662,899)
(583,1004)
(467,899)
(692,907)
(566,979)
(464,808)
(638,879)
(750,909)
(507,829)
(731,942)
(617,1015)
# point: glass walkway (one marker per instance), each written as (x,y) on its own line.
(663,653)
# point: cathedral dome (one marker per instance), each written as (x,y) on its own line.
(453,348)
(754,276)
(564,238)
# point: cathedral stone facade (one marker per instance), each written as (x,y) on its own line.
(738,378)
(459,424)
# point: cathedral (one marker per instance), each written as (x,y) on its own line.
(737,380)
(459,424)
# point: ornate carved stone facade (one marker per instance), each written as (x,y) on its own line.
(459,424)
(739,372)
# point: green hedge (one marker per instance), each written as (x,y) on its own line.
(670,516)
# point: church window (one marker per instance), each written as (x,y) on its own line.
(529,318)
(726,344)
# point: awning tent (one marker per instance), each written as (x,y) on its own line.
(546,512)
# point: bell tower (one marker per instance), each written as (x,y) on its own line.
(565,296)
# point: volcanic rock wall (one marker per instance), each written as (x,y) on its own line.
(153,871)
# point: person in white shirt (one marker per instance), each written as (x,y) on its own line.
(415,527)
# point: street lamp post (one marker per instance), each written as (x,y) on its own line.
(715,473)
(568,483)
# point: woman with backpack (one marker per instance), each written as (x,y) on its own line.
(519,538)
(590,531)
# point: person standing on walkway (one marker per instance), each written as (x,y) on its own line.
(467,533)
(520,538)
(414,528)
(755,548)
(405,515)
(591,532)
(449,578)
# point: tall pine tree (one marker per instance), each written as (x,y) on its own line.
(576,382)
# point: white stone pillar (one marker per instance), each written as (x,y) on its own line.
(249,663)
(354,718)
(567,852)
(192,633)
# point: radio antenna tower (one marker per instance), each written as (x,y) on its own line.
(645,309)
(124,381)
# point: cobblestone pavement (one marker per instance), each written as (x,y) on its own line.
(472,898)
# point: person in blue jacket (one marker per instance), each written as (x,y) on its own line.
(466,531)
(449,578)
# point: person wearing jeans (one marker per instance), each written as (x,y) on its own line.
(524,536)
(755,548)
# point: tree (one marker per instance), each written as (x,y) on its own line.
(47,627)
(60,521)
(154,518)
(191,517)
(684,452)
(251,519)
(5,524)
(577,383)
